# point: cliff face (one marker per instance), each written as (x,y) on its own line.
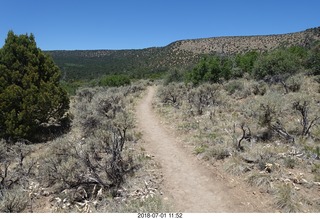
(240,44)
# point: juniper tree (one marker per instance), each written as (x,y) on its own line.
(30,94)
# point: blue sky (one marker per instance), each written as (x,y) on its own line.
(135,24)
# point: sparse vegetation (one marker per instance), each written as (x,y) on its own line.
(262,132)
(286,198)
(254,110)
(87,170)
(183,54)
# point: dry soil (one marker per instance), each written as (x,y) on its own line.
(191,185)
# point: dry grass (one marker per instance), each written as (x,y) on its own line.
(99,166)
(262,180)
(286,198)
(273,148)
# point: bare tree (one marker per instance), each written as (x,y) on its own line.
(305,122)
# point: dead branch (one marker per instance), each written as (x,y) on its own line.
(278,127)
(246,134)
(306,125)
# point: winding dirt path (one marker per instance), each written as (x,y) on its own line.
(189,185)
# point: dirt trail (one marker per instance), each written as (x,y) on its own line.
(189,185)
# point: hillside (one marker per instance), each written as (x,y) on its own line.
(240,44)
(90,64)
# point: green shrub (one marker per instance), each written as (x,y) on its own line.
(246,61)
(286,198)
(173,75)
(200,149)
(293,84)
(313,59)
(278,62)
(115,80)
(30,94)
(210,69)
(259,88)
(71,87)
(13,201)
(234,86)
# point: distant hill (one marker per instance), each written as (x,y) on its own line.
(90,64)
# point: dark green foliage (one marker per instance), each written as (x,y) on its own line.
(115,80)
(298,51)
(210,69)
(30,95)
(198,73)
(245,62)
(278,62)
(137,63)
(274,66)
(313,59)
